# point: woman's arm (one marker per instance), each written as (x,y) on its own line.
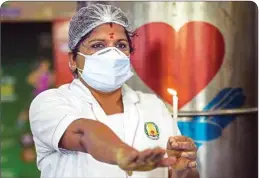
(95,138)
(57,124)
(100,141)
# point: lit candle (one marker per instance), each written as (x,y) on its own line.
(174,102)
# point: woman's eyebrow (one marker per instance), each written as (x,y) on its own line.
(123,39)
(95,39)
(102,40)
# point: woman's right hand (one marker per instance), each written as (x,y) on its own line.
(130,159)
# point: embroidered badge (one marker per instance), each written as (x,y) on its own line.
(151,130)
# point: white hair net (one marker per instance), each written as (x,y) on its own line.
(87,18)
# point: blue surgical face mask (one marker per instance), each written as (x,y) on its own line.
(106,70)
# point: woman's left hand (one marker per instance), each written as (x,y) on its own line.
(184,149)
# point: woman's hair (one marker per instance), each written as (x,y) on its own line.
(129,35)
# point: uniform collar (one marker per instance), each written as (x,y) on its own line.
(79,89)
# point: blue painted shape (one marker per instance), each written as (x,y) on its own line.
(200,131)
(203,129)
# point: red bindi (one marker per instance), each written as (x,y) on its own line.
(111,35)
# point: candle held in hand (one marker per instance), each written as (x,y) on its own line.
(174,102)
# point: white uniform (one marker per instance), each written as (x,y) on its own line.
(52,111)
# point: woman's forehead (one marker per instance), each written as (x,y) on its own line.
(105,30)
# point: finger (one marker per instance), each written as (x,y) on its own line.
(147,163)
(156,151)
(174,153)
(173,141)
(125,160)
(132,156)
(146,167)
(184,163)
(189,155)
(136,163)
(192,164)
(184,145)
(170,141)
(179,139)
(157,156)
(166,162)
(143,156)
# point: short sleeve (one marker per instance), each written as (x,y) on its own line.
(50,115)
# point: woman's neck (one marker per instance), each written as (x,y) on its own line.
(110,102)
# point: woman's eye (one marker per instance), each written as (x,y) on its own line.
(121,46)
(98,46)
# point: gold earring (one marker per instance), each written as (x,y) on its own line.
(73,67)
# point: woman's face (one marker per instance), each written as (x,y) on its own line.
(103,36)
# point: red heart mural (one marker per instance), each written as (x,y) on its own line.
(186,60)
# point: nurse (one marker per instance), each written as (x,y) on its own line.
(97,126)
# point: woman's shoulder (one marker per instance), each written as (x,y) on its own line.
(53,94)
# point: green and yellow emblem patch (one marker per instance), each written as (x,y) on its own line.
(152,130)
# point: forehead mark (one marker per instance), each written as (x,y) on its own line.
(111,35)
(111,25)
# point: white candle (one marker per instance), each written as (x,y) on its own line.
(174,102)
(175,106)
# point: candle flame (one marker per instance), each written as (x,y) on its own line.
(171,91)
